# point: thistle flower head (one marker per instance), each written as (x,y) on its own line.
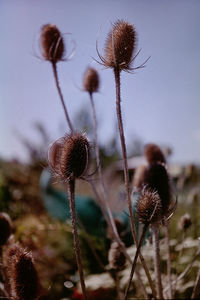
(5,228)
(91,80)
(116,257)
(157,179)
(154,154)
(120,45)
(149,207)
(185,222)
(52,43)
(23,277)
(68,156)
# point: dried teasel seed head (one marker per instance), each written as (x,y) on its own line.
(52,43)
(154,154)
(5,228)
(68,156)
(185,222)
(149,207)
(120,45)
(91,80)
(116,257)
(22,274)
(157,179)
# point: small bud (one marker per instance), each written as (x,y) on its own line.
(149,207)
(185,222)
(157,179)
(5,228)
(52,43)
(120,45)
(91,81)
(68,156)
(116,257)
(154,154)
(23,277)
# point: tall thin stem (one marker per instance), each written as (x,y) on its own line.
(135,259)
(168,258)
(155,237)
(196,289)
(126,175)
(75,234)
(55,73)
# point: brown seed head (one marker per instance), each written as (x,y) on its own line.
(116,257)
(120,45)
(149,207)
(154,154)
(5,228)
(91,81)
(23,277)
(157,179)
(52,43)
(68,156)
(185,222)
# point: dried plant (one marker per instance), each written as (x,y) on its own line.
(5,228)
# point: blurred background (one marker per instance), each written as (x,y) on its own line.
(160,104)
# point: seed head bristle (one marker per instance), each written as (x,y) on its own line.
(149,207)
(5,228)
(120,45)
(52,43)
(157,179)
(68,156)
(116,257)
(185,222)
(91,80)
(154,154)
(22,274)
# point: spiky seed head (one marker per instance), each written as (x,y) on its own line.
(149,207)
(22,274)
(5,228)
(138,177)
(185,222)
(68,156)
(91,80)
(116,257)
(157,179)
(52,43)
(154,154)
(120,45)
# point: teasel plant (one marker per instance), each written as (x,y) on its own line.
(91,85)
(120,48)
(22,276)
(149,212)
(157,178)
(68,157)
(54,50)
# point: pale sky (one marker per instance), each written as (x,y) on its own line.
(161,102)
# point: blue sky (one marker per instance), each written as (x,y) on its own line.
(160,103)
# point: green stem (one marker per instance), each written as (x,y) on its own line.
(155,236)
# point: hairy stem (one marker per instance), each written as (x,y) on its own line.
(135,259)
(168,259)
(126,175)
(75,234)
(55,73)
(155,236)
